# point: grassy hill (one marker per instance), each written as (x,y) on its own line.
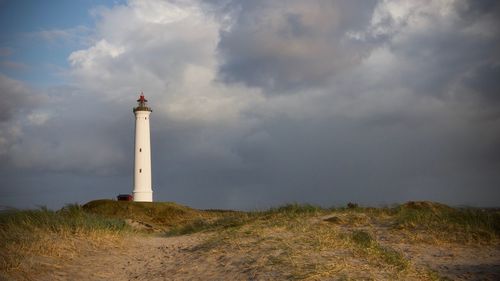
(161,214)
(292,241)
(165,217)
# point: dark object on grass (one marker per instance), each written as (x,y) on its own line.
(125,197)
(351,205)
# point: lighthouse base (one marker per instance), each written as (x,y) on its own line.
(143,196)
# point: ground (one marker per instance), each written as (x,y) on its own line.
(313,246)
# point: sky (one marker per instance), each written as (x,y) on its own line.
(255,103)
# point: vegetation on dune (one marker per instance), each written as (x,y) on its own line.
(435,219)
(43,231)
(446,223)
(426,220)
(308,242)
(161,215)
(72,218)
(293,209)
(233,219)
(292,242)
(367,243)
(164,213)
(299,241)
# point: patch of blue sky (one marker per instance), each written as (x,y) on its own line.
(38,36)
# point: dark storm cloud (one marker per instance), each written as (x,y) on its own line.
(452,51)
(472,10)
(328,161)
(82,136)
(413,130)
(484,81)
(322,102)
(285,46)
(291,44)
(79,152)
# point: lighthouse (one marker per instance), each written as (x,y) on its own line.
(143,191)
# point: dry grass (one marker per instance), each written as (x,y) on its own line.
(417,220)
(443,223)
(164,216)
(304,242)
(56,234)
(292,246)
(295,242)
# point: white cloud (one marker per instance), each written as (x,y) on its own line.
(380,87)
(88,59)
(165,12)
(168,50)
(38,118)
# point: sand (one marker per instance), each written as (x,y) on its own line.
(179,258)
(252,256)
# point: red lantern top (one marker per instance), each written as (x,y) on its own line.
(141,98)
(142,106)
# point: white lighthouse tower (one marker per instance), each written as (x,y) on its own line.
(142,164)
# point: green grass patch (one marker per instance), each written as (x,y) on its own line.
(372,249)
(392,257)
(463,224)
(362,238)
(162,214)
(294,209)
(72,218)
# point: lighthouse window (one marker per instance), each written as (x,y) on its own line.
(140,149)
(140,170)
(145,118)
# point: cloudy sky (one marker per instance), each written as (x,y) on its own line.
(255,103)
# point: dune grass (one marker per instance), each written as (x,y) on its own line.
(442,222)
(198,225)
(307,242)
(301,241)
(294,209)
(31,232)
(292,242)
(161,215)
(367,243)
(463,225)
(222,220)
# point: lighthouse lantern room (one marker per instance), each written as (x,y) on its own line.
(143,191)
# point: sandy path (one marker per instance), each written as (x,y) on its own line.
(152,258)
(186,258)
(177,258)
(138,258)
(456,262)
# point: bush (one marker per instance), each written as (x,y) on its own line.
(351,205)
(362,238)
(295,209)
(390,256)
